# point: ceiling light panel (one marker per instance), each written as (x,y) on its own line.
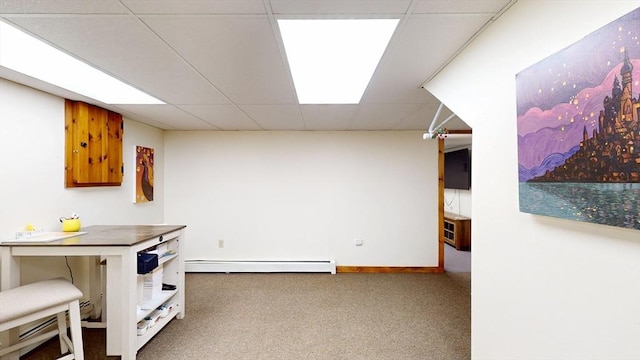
(30,56)
(332,60)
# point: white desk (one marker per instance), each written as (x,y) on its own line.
(120,245)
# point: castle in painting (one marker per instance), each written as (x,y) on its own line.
(612,153)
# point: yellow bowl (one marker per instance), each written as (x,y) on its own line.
(71,225)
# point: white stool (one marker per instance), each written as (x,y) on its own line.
(35,301)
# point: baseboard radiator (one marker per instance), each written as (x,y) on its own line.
(219,266)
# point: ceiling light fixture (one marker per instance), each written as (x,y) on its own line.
(332,60)
(30,56)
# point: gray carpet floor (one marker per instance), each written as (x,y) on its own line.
(456,260)
(310,316)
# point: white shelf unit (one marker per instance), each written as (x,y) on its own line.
(151,332)
(172,264)
(147,307)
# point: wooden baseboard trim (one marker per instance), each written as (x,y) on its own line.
(389,269)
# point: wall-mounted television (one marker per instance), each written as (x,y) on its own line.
(457,169)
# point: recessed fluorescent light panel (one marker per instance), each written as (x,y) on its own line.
(332,60)
(30,56)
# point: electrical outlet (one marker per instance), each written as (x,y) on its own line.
(220,243)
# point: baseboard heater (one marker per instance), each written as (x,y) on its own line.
(219,266)
(41,327)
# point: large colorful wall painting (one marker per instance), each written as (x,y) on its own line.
(578,129)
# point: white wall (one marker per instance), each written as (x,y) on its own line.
(305,195)
(32,175)
(458,202)
(543,288)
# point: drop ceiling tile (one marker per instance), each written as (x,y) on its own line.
(381,116)
(328,117)
(275,117)
(196,7)
(411,56)
(224,117)
(459,6)
(310,7)
(239,55)
(420,119)
(62,7)
(125,48)
(168,116)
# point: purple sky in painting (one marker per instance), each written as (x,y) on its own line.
(561,94)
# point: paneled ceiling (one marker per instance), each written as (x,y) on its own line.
(220,64)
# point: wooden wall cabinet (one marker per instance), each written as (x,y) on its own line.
(93,146)
(457,231)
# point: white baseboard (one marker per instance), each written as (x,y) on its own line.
(219,266)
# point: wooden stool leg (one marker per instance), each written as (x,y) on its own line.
(76,330)
(62,329)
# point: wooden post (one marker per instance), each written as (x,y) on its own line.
(441,204)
